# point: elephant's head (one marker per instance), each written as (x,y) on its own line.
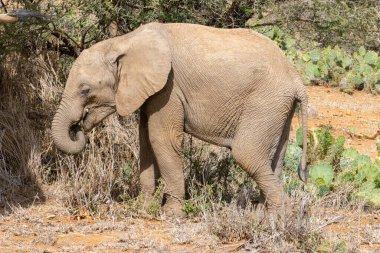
(118,74)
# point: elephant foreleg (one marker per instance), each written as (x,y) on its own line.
(148,166)
(165,135)
(170,164)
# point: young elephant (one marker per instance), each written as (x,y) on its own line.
(230,87)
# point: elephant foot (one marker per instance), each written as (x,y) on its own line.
(260,203)
(149,204)
(279,215)
(173,208)
(147,200)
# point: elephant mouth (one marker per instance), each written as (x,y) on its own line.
(74,129)
(78,126)
(92,116)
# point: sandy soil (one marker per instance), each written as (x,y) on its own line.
(49,228)
(356,116)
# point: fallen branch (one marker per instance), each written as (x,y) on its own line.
(333,220)
(363,136)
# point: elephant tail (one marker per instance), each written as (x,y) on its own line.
(301,96)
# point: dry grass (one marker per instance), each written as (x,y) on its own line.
(20,146)
(292,232)
(30,93)
(102,173)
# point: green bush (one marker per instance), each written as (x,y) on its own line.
(356,70)
(348,157)
(360,70)
(321,178)
(292,156)
(322,146)
(332,166)
(370,193)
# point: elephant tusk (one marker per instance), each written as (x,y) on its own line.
(85,113)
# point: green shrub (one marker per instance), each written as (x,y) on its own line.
(369,192)
(348,158)
(320,141)
(321,178)
(360,70)
(335,152)
(367,173)
(333,65)
(353,167)
(292,156)
(332,166)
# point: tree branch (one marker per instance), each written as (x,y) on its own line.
(83,39)
(62,49)
(75,50)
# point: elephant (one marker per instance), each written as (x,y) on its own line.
(230,87)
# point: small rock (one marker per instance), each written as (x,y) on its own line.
(52,216)
(312,112)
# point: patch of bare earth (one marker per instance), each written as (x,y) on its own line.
(354,116)
(49,228)
(360,231)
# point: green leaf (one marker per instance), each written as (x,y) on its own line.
(346,62)
(371,80)
(315,55)
(354,79)
(362,51)
(311,71)
(370,193)
(335,151)
(270,34)
(322,174)
(371,58)
(349,156)
(367,173)
(378,77)
(289,43)
(299,137)
(292,156)
(377,181)
(323,69)
(366,69)
(362,160)
(320,141)
(306,57)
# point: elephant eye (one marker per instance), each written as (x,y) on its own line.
(84,92)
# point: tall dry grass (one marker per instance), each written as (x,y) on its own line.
(20,145)
(106,171)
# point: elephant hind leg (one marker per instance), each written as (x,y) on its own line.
(266,180)
(254,148)
(257,164)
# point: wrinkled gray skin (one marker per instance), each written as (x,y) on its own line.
(231,87)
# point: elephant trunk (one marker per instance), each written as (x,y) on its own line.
(65,131)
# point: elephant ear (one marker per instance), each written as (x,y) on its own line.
(143,70)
